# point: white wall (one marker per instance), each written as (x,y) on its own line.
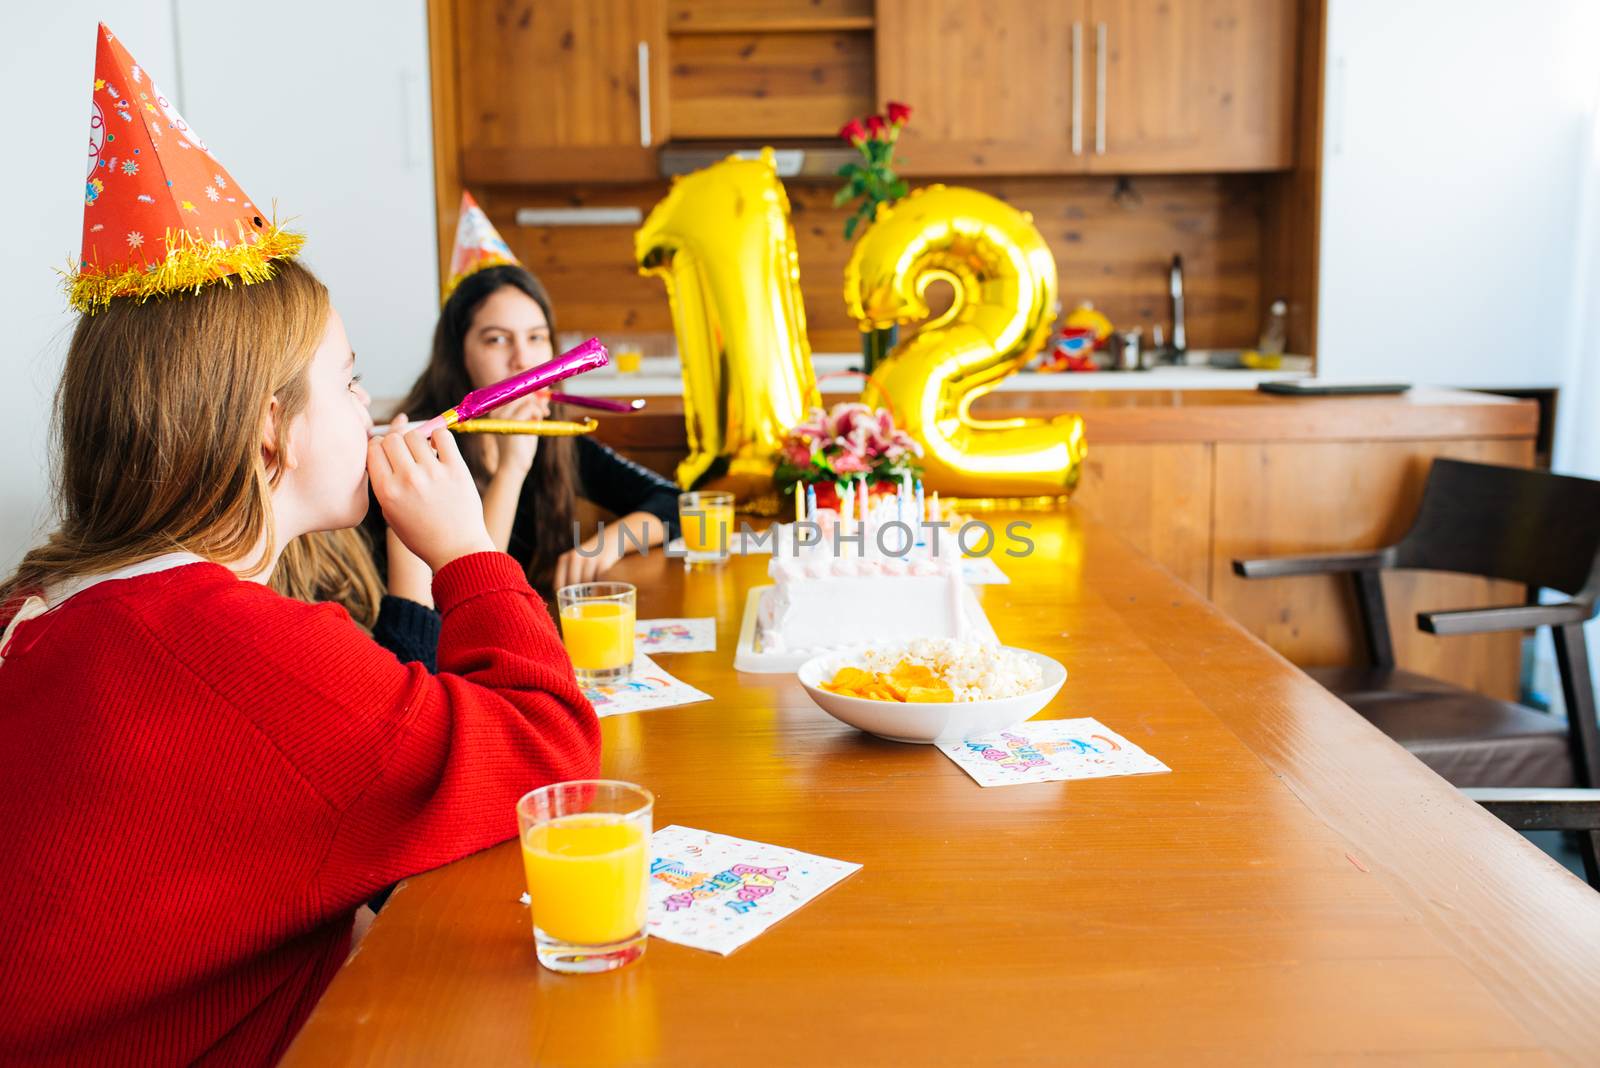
(1577,446)
(46,65)
(1452,148)
(322,107)
(334,123)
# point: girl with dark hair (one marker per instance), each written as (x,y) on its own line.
(497,322)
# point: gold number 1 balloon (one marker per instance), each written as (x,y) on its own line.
(722,243)
(1005,300)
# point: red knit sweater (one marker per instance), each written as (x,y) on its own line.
(201,780)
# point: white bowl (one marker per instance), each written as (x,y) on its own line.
(950,722)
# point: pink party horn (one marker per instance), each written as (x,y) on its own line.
(599,404)
(585,357)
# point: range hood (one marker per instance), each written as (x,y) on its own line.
(795,160)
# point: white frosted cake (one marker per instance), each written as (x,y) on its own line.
(836,592)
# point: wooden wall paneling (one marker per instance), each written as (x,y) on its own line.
(550,91)
(1113,246)
(765,85)
(1293,200)
(771,16)
(1279,499)
(1193,86)
(1111,250)
(1158,496)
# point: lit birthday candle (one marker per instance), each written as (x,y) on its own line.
(866,513)
(922,516)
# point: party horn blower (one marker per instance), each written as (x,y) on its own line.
(586,357)
(544,428)
(599,404)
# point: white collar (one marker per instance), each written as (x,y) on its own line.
(57,595)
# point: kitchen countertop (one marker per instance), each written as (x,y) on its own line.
(661,377)
(1173,414)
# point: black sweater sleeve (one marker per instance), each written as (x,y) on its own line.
(621,486)
(409,630)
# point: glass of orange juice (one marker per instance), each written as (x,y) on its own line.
(629,359)
(706,520)
(597,628)
(586,853)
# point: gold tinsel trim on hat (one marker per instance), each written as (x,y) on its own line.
(190,263)
(480,265)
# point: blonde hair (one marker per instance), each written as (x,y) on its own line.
(332,565)
(158,422)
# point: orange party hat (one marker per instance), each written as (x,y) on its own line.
(478,245)
(160,214)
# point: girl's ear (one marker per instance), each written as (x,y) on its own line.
(271,459)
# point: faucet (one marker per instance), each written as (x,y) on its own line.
(1180,341)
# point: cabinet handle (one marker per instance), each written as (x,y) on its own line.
(644,94)
(1100,89)
(1077,88)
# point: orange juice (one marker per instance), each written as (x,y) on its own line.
(586,878)
(707,528)
(598,634)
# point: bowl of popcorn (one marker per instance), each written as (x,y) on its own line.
(932,689)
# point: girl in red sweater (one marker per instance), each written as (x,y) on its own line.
(201,780)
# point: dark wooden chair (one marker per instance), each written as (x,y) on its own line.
(1525,526)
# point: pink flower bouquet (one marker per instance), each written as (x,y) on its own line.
(849,443)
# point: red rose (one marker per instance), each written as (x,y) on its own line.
(899,113)
(876,126)
(852,131)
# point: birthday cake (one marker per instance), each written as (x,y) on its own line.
(838,581)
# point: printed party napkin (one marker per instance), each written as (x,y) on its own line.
(675,635)
(1050,750)
(713,892)
(648,687)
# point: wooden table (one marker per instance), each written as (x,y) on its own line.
(1298,888)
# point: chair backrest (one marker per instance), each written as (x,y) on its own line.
(1512,523)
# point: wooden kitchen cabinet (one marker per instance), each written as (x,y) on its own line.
(559,90)
(991,83)
(1091,86)
(1196,85)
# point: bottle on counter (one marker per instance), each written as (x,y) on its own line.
(1268,353)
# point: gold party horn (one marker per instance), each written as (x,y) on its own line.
(548,428)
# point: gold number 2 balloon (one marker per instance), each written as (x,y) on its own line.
(1005,300)
(722,242)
